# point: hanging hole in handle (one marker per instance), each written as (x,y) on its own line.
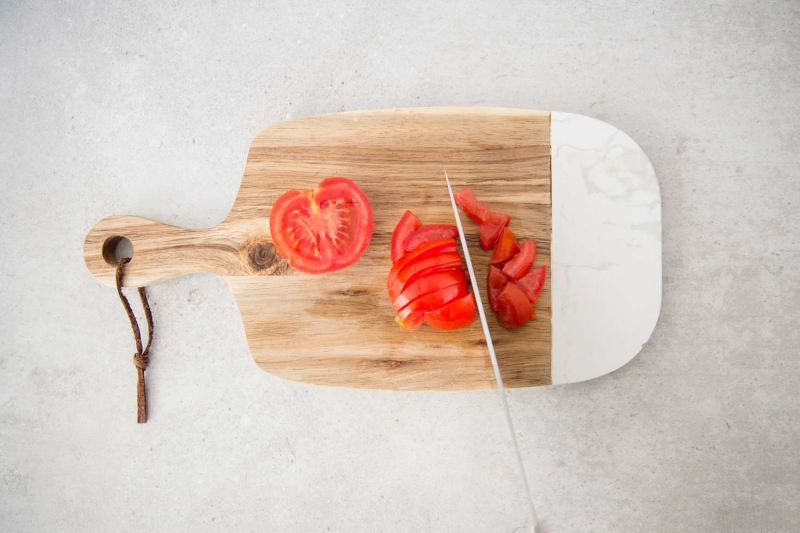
(117,248)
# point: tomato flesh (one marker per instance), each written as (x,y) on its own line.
(456,314)
(422,267)
(495,284)
(428,233)
(532,283)
(489,233)
(414,311)
(324,229)
(513,307)
(479,212)
(520,264)
(429,249)
(429,284)
(408,223)
(505,248)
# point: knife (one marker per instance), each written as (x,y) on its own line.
(476,293)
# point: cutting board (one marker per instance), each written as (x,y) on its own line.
(338,328)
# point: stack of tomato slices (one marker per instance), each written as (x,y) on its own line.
(513,284)
(427,282)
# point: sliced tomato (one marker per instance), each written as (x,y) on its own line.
(422,267)
(411,315)
(505,248)
(429,249)
(532,283)
(520,264)
(408,223)
(479,212)
(456,314)
(428,233)
(513,307)
(324,229)
(489,233)
(496,283)
(429,284)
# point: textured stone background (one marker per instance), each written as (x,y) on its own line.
(149,107)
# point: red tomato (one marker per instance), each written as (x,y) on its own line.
(532,283)
(478,211)
(429,284)
(324,229)
(429,249)
(521,263)
(411,315)
(456,314)
(513,307)
(489,233)
(505,248)
(408,223)
(428,233)
(496,283)
(422,267)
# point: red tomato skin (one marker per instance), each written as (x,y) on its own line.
(495,284)
(489,233)
(428,233)
(455,315)
(408,223)
(513,307)
(429,284)
(430,302)
(505,248)
(429,249)
(423,267)
(532,283)
(520,264)
(477,211)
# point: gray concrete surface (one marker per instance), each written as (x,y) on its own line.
(149,107)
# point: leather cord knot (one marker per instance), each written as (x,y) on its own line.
(140,361)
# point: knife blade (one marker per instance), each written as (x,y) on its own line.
(498,378)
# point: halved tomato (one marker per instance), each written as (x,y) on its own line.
(505,248)
(520,264)
(489,233)
(429,249)
(479,212)
(428,233)
(456,314)
(324,229)
(411,315)
(495,284)
(513,307)
(408,223)
(422,267)
(429,284)
(532,283)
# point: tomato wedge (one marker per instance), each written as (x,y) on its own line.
(422,267)
(408,223)
(428,233)
(532,283)
(324,229)
(429,284)
(456,314)
(411,315)
(429,249)
(489,233)
(513,307)
(520,264)
(495,284)
(479,212)
(505,248)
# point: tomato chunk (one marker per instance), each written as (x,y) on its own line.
(479,212)
(532,283)
(429,249)
(413,312)
(428,233)
(496,283)
(429,284)
(422,267)
(505,248)
(520,264)
(513,307)
(408,223)
(456,314)
(489,233)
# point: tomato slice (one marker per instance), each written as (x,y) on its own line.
(456,314)
(429,249)
(428,233)
(495,284)
(422,267)
(411,315)
(513,307)
(520,264)
(324,229)
(489,233)
(429,284)
(505,248)
(479,212)
(408,223)
(532,283)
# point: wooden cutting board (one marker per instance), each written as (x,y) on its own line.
(339,328)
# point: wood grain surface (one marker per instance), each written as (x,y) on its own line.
(338,328)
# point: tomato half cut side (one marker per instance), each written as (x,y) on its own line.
(495,284)
(513,307)
(324,229)
(532,283)
(428,233)
(408,223)
(428,249)
(430,302)
(456,314)
(505,248)
(489,233)
(520,264)
(422,267)
(479,212)
(428,284)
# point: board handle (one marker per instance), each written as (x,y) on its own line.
(162,252)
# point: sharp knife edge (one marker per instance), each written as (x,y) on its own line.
(490,346)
